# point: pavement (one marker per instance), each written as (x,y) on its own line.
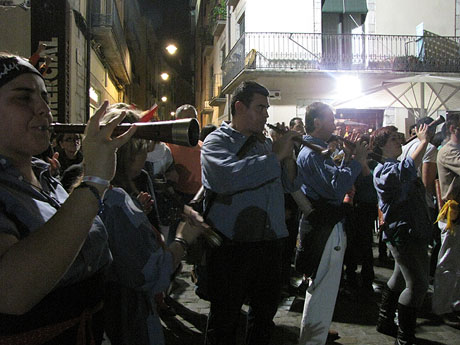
(354,318)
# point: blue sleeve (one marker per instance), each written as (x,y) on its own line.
(392,180)
(288,185)
(139,260)
(225,173)
(321,177)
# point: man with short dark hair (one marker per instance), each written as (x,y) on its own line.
(246,176)
(296,124)
(325,184)
(446,294)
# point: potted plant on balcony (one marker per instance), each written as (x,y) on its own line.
(219,12)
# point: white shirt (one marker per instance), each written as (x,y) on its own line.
(430,156)
(161,158)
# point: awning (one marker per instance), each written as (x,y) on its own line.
(423,94)
(345,6)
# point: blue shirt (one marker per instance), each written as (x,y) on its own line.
(402,197)
(321,177)
(24,210)
(250,202)
(140,264)
(139,260)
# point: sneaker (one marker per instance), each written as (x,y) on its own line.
(451,319)
(332,335)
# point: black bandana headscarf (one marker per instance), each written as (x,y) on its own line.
(13,66)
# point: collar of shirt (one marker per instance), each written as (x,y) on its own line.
(5,165)
(314,140)
(393,160)
(230,131)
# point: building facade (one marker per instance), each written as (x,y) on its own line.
(344,53)
(100,50)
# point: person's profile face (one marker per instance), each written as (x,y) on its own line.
(455,130)
(326,123)
(333,145)
(255,115)
(25,116)
(392,147)
(299,127)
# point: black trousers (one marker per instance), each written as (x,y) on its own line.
(240,272)
(359,245)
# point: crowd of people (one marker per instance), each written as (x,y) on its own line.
(92,234)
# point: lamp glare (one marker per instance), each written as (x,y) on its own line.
(171,49)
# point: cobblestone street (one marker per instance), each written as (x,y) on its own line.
(354,318)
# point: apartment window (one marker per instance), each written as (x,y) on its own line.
(222,55)
(342,42)
(241,26)
(340,17)
(211,89)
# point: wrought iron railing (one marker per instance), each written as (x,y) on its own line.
(216,85)
(110,18)
(309,51)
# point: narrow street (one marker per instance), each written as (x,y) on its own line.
(354,318)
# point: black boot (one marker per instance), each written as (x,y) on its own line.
(386,321)
(407,319)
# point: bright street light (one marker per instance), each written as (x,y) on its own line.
(171,49)
(164,99)
(164,76)
(348,86)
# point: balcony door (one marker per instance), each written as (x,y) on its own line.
(342,33)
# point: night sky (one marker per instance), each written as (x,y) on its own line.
(171,20)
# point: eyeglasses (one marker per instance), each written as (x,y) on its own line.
(72,140)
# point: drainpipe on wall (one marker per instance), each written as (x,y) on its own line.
(227,50)
(88,57)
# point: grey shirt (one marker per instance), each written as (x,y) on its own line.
(23,210)
(449,171)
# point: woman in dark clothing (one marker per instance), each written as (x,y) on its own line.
(142,264)
(407,232)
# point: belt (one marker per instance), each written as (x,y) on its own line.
(46,333)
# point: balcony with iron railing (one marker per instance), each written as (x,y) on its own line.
(108,32)
(311,51)
(217,96)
